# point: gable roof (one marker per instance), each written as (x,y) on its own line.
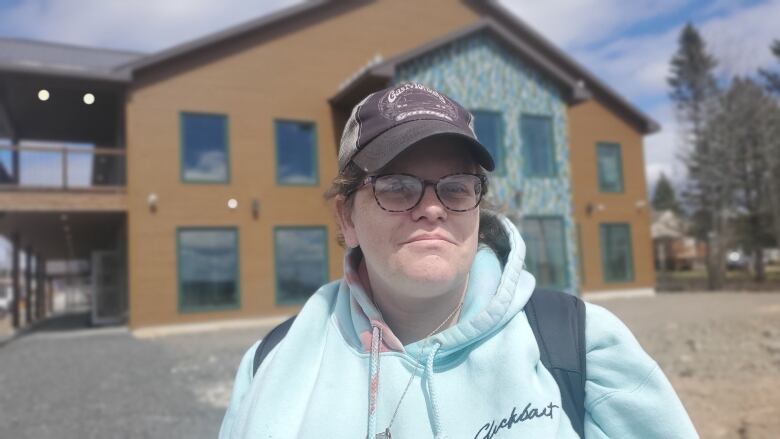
(378,75)
(578,80)
(306,8)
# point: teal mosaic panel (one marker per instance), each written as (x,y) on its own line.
(481,73)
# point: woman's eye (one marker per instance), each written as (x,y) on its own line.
(455,189)
(396,186)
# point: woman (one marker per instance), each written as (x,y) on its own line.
(426,335)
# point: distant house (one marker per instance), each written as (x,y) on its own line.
(674,248)
(207,161)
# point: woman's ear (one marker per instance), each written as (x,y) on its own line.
(344,217)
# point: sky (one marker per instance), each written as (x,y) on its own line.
(628,44)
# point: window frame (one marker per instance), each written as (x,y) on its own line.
(603,227)
(526,153)
(182,177)
(314,155)
(182,309)
(616,147)
(566,281)
(501,154)
(275,243)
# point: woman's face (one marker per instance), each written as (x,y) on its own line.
(427,250)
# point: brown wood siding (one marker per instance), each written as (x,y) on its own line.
(590,123)
(288,75)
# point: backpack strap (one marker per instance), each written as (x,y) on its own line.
(270,341)
(558,322)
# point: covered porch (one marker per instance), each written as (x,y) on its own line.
(63,207)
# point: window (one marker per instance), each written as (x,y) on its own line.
(546,251)
(489,127)
(296,153)
(204,148)
(208,268)
(616,253)
(301,262)
(538,146)
(610,167)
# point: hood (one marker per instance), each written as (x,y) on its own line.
(494,295)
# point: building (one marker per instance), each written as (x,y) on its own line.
(204,200)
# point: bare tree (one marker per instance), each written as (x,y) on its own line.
(744,133)
(772,84)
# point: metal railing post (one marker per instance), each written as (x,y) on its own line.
(64,168)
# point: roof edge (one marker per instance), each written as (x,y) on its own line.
(223,35)
(72,46)
(118,77)
(387,69)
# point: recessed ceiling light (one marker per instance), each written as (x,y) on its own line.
(232,203)
(89,98)
(43,94)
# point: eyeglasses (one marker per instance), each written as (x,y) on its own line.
(403,192)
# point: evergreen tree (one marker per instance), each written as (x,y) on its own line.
(771,78)
(664,196)
(694,92)
(692,78)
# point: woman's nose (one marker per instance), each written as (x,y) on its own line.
(429,206)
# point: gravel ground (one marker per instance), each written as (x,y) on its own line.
(108,384)
(721,352)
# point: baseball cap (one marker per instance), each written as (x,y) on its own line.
(389,121)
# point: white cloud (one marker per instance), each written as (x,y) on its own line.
(663,150)
(636,67)
(741,40)
(576,23)
(148,26)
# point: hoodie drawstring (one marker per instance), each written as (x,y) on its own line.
(438,431)
(373,383)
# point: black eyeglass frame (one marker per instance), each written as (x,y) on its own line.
(425,183)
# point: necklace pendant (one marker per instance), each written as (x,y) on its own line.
(384,435)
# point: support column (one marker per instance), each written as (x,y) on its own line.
(40,277)
(15,281)
(28,286)
(49,296)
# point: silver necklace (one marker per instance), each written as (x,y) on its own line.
(386,434)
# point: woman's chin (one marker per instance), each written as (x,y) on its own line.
(432,272)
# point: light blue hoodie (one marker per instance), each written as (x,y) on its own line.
(340,371)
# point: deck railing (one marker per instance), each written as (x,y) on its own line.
(67,168)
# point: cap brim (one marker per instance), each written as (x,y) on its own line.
(386,146)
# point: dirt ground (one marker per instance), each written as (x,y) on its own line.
(720,351)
